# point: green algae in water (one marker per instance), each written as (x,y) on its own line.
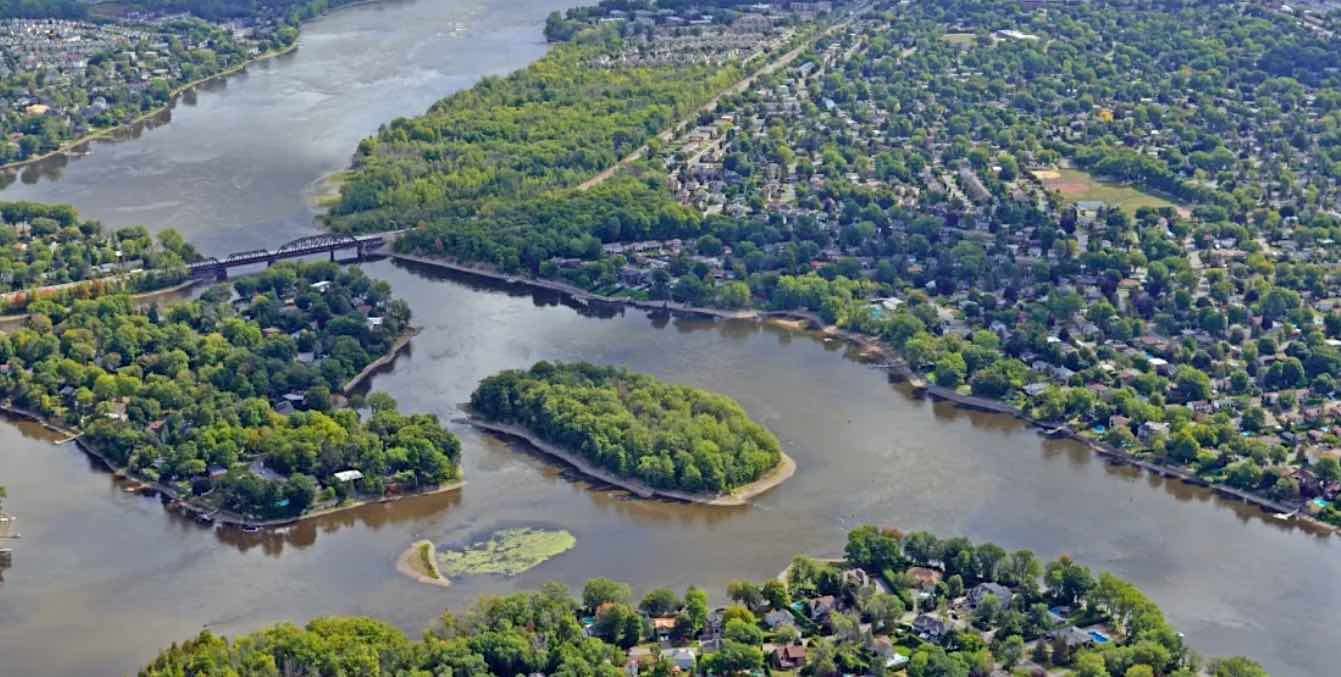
(507,552)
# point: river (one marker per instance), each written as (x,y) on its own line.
(103,579)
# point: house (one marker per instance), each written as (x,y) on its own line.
(789,657)
(929,628)
(662,627)
(682,658)
(1150,430)
(926,578)
(116,411)
(821,607)
(348,476)
(857,578)
(980,592)
(884,649)
(1073,637)
(779,618)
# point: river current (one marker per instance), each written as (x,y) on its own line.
(103,579)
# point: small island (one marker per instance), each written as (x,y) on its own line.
(633,431)
(507,552)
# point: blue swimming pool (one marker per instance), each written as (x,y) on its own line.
(1098,637)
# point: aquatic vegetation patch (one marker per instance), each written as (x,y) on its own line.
(508,552)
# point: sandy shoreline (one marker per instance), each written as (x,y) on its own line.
(740,496)
(409,564)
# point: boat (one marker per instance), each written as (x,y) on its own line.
(250,528)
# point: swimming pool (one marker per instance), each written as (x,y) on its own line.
(1098,637)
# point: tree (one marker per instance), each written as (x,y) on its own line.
(1012,650)
(746,593)
(1183,447)
(600,591)
(883,610)
(660,602)
(618,624)
(696,608)
(1192,384)
(3,495)
(1237,667)
(822,658)
(1090,664)
(746,633)
(735,657)
(777,595)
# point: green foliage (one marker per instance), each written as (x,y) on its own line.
(189,395)
(634,425)
(549,126)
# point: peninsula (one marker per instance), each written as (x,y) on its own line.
(230,408)
(633,431)
(908,604)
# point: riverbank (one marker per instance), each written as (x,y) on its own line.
(401,344)
(210,515)
(111,132)
(420,565)
(575,293)
(896,366)
(46,292)
(740,496)
(874,350)
(190,504)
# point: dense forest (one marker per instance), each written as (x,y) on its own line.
(870,618)
(547,127)
(232,402)
(669,436)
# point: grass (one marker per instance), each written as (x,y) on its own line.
(426,559)
(1079,186)
(508,552)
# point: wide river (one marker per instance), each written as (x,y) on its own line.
(102,579)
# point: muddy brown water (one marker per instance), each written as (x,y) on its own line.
(103,579)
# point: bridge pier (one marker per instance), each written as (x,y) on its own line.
(221,274)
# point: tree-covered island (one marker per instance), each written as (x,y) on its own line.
(232,404)
(896,604)
(679,441)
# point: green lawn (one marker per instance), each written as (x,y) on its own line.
(1079,186)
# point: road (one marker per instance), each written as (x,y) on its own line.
(744,84)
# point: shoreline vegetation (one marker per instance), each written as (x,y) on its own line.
(254,471)
(224,517)
(890,360)
(893,603)
(634,431)
(741,496)
(110,133)
(402,342)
